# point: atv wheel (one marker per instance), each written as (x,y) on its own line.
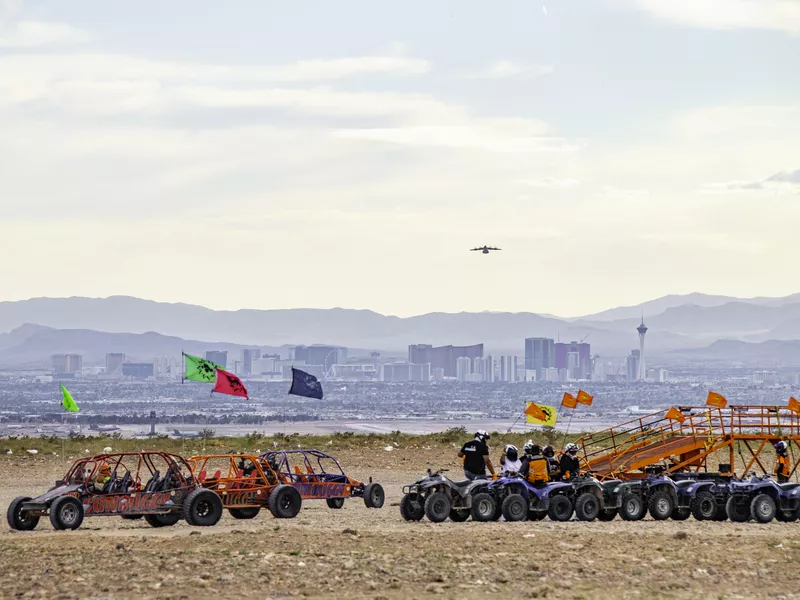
(17,518)
(374,496)
(335,502)
(250,512)
(763,508)
(437,507)
(587,507)
(536,515)
(498,511)
(459,515)
(680,514)
(483,507)
(738,510)
(661,505)
(202,508)
(285,502)
(704,506)
(560,508)
(632,508)
(66,512)
(167,520)
(607,514)
(514,508)
(411,508)
(786,516)
(131,517)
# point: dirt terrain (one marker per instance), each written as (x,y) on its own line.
(356,552)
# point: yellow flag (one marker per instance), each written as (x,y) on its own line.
(715,399)
(549,413)
(584,398)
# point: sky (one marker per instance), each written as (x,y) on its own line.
(267,154)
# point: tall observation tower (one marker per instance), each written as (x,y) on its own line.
(642,329)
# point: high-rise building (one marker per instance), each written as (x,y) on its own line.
(395,372)
(325,356)
(642,329)
(583,370)
(540,353)
(114,361)
(137,370)
(219,357)
(488,369)
(632,363)
(463,368)
(168,367)
(443,357)
(67,363)
(573,364)
(248,357)
(561,350)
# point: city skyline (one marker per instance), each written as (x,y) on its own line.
(359,139)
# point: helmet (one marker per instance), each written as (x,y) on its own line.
(511,452)
(105,469)
(548,451)
(570,448)
(780,447)
(482,435)
(528,447)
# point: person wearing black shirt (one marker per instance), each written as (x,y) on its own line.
(476,457)
(570,465)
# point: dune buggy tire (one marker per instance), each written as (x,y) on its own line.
(66,512)
(251,512)
(483,508)
(763,508)
(738,512)
(587,507)
(285,502)
(16,519)
(459,515)
(514,508)
(607,514)
(335,503)
(202,508)
(560,508)
(437,507)
(411,508)
(374,496)
(167,520)
(661,505)
(704,506)
(131,517)
(680,514)
(632,508)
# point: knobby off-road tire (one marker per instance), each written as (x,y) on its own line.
(459,515)
(19,520)
(514,508)
(661,505)
(202,508)
(587,507)
(681,514)
(763,509)
(66,512)
(251,512)
(560,508)
(374,496)
(704,506)
(167,520)
(483,508)
(285,502)
(738,512)
(607,514)
(787,517)
(437,507)
(335,503)
(411,508)
(632,507)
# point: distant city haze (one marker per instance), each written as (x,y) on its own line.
(277,155)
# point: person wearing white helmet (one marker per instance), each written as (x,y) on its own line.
(782,462)
(510,460)
(534,465)
(475,455)
(570,465)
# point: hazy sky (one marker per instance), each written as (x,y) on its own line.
(316,154)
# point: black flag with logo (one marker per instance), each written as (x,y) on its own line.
(305,384)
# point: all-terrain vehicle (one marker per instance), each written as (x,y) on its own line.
(319,476)
(519,499)
(701,495)
(128,485)
(246,484)
(595,499)
(438,497)
(763,499)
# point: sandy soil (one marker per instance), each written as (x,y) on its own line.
(361,553)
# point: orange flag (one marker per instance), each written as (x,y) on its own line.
(584,398)
(794,405)
(569,400)
(676,415)
(536,412)
(715,399)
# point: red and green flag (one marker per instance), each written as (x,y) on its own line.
(228,383)
(200,369)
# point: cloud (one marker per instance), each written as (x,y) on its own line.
(782,15)
(550,182)
(608,191)
(782,182)
(507,69)
(16,32)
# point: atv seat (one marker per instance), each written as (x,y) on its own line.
(463,483)
(788,486)
(684,483)
(611,482)
(152,483)
(123,484)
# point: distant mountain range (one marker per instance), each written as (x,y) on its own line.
(773,353)
(690,322)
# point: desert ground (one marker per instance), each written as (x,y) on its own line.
(357,552)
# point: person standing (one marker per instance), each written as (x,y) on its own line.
(476,456)
(782,462)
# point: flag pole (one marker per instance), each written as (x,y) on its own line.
(514,423)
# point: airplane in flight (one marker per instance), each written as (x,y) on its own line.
(484,249)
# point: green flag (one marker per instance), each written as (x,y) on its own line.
(68,403)
(200,369)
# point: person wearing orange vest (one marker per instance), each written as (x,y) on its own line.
(782,462)
(534,465)
(570,464)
